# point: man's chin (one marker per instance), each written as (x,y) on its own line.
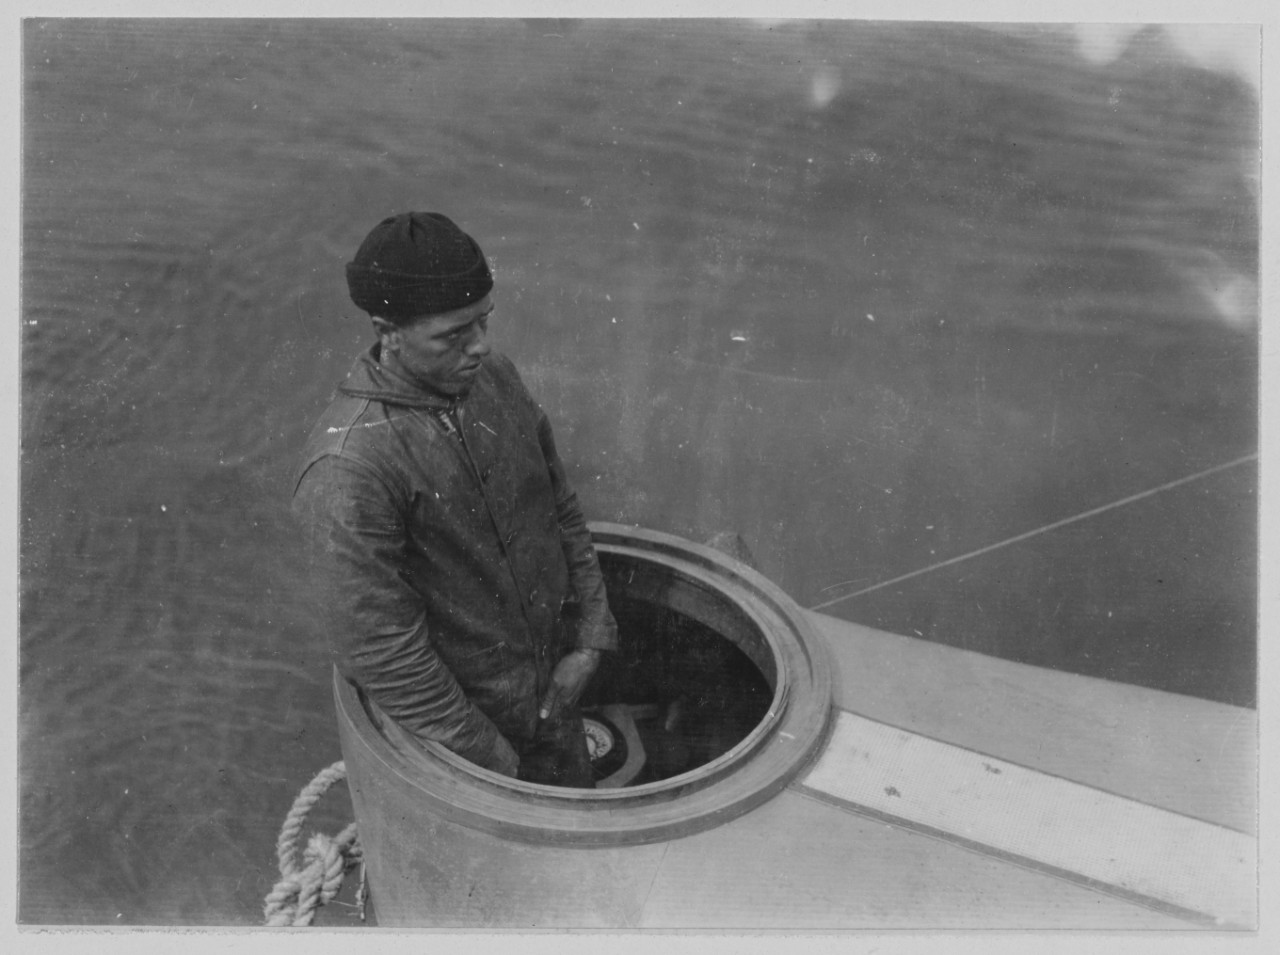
(456,386)
(463,383)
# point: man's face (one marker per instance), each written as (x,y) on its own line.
(441,352)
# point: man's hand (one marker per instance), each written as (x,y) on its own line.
(569,679)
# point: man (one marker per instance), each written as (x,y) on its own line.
(462,590)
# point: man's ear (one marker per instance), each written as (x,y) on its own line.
(388,333)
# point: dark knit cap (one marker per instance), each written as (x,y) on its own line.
(417,263)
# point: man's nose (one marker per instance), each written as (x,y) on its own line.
(478,343)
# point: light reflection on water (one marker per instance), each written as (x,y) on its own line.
(870,295)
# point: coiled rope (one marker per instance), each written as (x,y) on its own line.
(304,888)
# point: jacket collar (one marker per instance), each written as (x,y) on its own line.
(369,379)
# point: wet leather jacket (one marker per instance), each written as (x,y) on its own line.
(455,569)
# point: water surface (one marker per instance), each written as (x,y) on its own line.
(870,295)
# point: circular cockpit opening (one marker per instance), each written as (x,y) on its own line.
(717,698)
(679,693)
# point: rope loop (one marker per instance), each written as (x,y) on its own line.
(315,879)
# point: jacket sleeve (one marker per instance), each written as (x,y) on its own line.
(595,624)
(355,535)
